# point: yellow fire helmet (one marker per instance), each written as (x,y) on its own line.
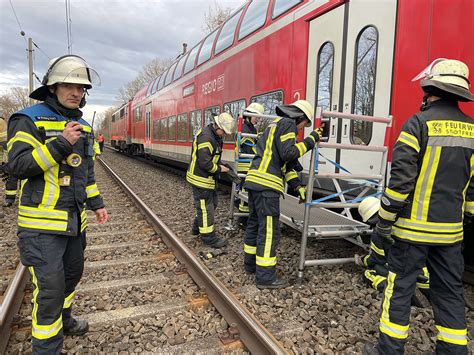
(255,107)
(368,207)
(225,122)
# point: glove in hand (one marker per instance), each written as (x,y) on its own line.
(301,193)
(316,134)
(233,174)
(384,230)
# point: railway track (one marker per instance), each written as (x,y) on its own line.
(140,292)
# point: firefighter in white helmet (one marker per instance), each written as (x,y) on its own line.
(375,262)
(50,148)
(247,146)
(202,173)
(265,182)
(431,188)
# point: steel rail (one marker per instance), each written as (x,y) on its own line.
(11,303)
(252,333)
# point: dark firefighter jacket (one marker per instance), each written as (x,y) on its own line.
(431,184)
(205,159)
(275,148)
(247,146)
(53,193)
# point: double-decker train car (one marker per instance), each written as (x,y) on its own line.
(355,56)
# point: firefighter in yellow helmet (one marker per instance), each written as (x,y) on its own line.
(431,188)
(202,173)
(50,148)
(265,183)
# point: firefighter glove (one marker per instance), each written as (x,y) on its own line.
(384,230)
(301,193)
(232,174)
(316,134)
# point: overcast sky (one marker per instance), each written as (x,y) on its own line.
(116,37)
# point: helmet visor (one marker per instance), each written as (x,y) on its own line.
(426,72)
(86,76)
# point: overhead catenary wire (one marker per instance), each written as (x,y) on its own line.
(18,21)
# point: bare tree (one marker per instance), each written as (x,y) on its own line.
(105,122)
(215,17)
(149,72)
(13,100)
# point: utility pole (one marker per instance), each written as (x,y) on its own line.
(30,65)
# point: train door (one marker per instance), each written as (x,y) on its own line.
(148,128)
(358,37)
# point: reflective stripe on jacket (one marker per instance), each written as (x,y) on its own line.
(275,148)
(432,184)
(205,159)
(52,193)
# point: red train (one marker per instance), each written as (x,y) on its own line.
(355,56)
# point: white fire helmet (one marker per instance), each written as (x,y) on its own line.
(225,122)
(368,207)
(69,69)
(254,107)
(448,75)
(301,106)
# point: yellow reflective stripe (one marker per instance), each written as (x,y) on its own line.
(215,167)
(376,249)
(265,179)
(427,237)
(42,213)
(450,128)
(42,331)
(83,220)
(374,278)
(261,261)
(287,136)
(243,207)
(469,207)
(206,145)
(426,226)
(206,183)
(43,157)
(10,192)
(268,237)
(267,153)
(386,326)
(424,183)
(394,195)
(51,188)
(409,140)
(250,249)
(389,216)
(92,190)
(44,224)
(423,285)
(291,175)
(452,336)
(206,228)
(68,300)
(302,148)
(24,137)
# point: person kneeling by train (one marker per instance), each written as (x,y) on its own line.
(265,184)
(376,261)
(203,169)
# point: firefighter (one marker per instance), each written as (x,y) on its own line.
(265,183)
(421,213)
(376,261)
(202,172)
(248,146)
(101,143)
(50,148)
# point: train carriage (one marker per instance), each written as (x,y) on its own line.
(353,56)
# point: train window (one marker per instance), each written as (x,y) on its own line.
(163,79)
(156,130)
(226,37)
(281,6)
(206,48)
(195,123)
(209,114)
(150,86)
(191,59)
(364,84)
(155,85)
(254,17)
(270,101)
(182,127)
(172,128)
(137,114)
(163,129)
(179,68)
(235,108)
(325,75)
(170,74)
(122,113)
(113,117)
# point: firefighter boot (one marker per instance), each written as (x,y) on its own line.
(279,282)
(213,241)
(78,327)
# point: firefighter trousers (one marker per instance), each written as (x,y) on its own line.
(262,235)
(56,263)
(11,186)
(205,202)
(445,265)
